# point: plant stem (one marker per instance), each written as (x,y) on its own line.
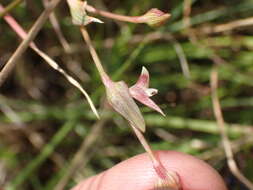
(9,66)
(145,144)
(132,19)
(21,32)
(57,29)
(105,78)
(169,178)
(224,137)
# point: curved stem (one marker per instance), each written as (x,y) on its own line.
(9,66)
(105,78)
(171,179)
(132,19)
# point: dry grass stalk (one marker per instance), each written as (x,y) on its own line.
(225,140)
(17,28)
(57,29)
(227,26)
(9,66)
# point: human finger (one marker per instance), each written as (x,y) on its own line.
(137,173)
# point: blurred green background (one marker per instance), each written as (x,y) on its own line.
(45,122)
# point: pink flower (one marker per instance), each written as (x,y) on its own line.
(141,91)
(120,97)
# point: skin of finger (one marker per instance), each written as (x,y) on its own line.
(137,173)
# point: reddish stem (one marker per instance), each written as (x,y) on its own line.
(132,19)
(169,178)
(105,78)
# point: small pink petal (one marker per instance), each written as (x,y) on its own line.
(143,79)
(143,98)
(141,92)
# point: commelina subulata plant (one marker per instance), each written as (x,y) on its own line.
(119,95)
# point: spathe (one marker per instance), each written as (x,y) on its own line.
(120,99)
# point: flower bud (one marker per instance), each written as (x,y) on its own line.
(155,17)
(120,99)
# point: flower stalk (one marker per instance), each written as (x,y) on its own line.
(105,78)
(167,180)
(154,17)
(121,97)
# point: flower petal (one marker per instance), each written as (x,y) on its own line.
(151,91)
(142,97)
(143,80)
(141,92)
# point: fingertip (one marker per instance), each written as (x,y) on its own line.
(138,173)
(195,174)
